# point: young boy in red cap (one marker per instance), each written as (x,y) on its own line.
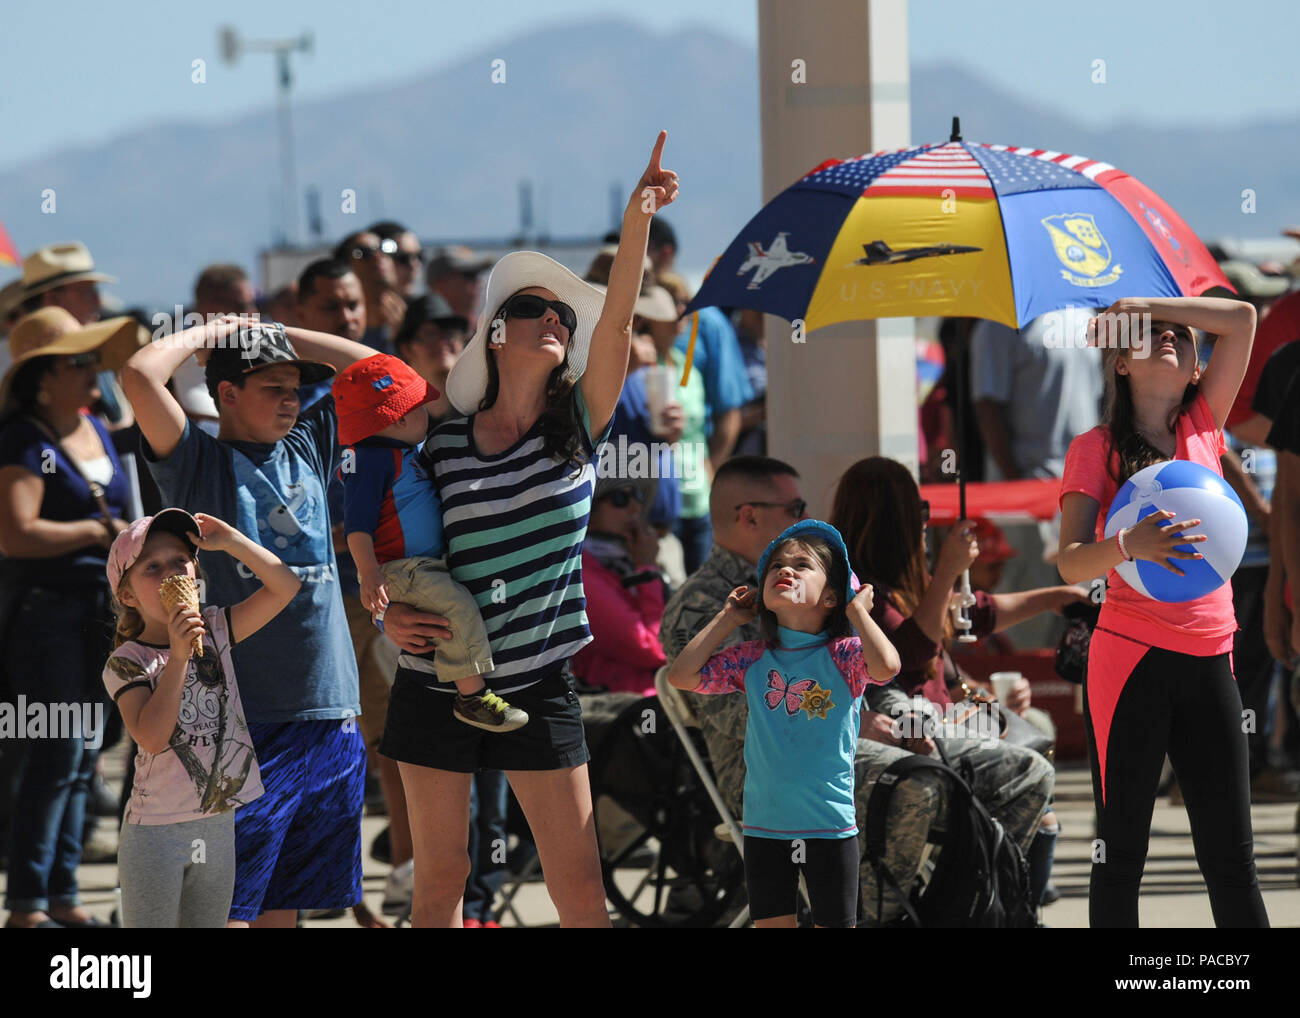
(393,523)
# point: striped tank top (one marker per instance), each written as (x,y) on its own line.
(513,523)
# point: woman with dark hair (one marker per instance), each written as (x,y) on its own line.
(879,511)
(63,496)
(1160,675)
(538,384)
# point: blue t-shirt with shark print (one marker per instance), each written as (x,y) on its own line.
(300,666)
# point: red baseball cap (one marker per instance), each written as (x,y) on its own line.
(376,392)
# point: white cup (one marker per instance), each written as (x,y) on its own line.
(658,393)
(1003,683)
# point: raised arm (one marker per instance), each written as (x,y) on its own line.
(612,337)
(279,582)
(144,380)
(335,351)
(686,667)
(1232,321)
(878,653)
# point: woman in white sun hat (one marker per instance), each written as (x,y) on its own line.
(537,385)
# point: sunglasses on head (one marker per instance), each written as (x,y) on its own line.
(527,305)
(84,360)
(619,499)
(925,511)
(388,247)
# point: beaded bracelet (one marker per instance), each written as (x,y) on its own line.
(1119,541)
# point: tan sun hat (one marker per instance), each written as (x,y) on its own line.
(52,331)
(467,382)
(656,304)
(59,265)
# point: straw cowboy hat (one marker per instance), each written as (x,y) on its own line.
(52,331)
(467,382)
(59,265)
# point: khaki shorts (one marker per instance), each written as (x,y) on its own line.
(426,584)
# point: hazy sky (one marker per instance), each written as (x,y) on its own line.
(82,71)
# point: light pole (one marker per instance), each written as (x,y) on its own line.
(231,48)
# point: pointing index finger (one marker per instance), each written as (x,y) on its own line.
(658,150)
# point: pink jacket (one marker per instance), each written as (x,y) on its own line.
(624,653)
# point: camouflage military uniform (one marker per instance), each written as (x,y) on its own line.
(914,807)
(1014,783)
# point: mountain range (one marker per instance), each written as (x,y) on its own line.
(576,114)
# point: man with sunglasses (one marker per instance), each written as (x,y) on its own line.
(372,258)
(408,258)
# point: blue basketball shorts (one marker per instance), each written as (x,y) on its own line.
(298,846)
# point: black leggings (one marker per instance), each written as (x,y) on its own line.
(1189,708)
(830,869)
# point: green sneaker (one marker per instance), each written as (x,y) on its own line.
(489,712)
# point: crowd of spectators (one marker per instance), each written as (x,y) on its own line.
(661,553)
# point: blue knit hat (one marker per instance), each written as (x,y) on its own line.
(822,530)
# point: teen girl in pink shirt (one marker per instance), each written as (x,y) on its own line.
(1160,675)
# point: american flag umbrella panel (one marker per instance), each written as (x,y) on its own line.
(959,229)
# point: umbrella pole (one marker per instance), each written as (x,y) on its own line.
(967,598)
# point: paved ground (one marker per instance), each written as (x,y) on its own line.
(1173,893)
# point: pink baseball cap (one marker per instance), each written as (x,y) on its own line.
(130,542)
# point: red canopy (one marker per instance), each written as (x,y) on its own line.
(999,501)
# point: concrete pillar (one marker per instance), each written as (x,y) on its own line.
(849,390)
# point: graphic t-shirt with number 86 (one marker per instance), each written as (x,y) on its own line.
(210,766)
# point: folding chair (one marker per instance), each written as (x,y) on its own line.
(681,718)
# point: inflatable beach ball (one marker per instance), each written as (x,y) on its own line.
(1191,492)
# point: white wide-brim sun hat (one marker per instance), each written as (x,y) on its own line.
(467,382)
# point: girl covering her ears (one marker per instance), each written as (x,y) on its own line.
(804,682)
(1160,675)
(196,764)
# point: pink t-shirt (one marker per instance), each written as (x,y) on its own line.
(210,766)
(1202,627)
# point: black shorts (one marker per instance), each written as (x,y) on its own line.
(421,729)
(830,869)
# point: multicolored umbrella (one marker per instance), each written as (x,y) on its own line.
(959,229)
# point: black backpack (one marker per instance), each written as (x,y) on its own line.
(980,879)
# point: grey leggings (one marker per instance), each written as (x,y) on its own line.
(177,875)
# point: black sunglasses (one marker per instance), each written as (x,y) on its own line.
(925,511)
(409,258)
(796,507)
(527,305)
(620,498)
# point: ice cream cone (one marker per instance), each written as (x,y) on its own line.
(180,589)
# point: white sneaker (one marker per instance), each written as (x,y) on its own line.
(399,889)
